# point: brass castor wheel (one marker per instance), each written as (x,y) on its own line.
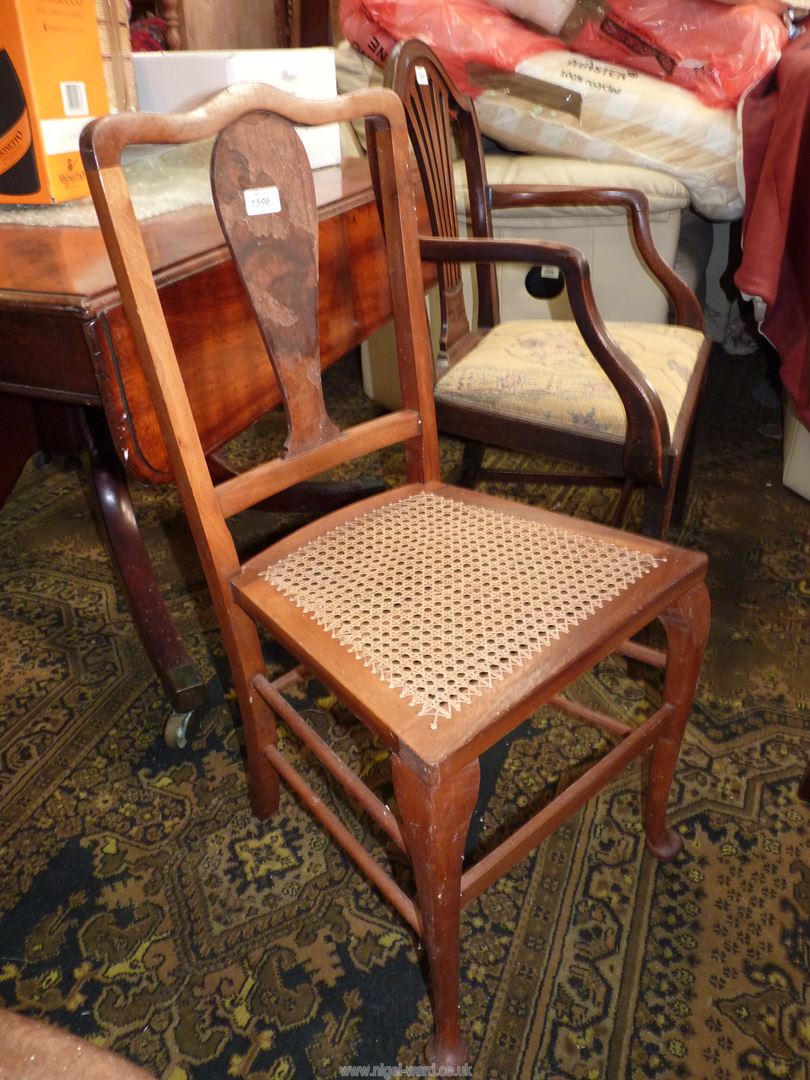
(175,733)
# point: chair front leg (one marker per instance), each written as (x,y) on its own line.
(686,622)
(435,822)
(656,513)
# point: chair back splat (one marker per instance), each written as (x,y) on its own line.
(265,201)
(443,617)
(444,127)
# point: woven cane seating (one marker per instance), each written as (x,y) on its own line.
(443,617)
(618,400)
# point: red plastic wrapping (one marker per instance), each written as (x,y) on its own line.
(459,32)
(716,50)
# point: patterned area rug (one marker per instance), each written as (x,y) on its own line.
(143,907)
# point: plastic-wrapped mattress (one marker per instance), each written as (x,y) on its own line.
(623,116)
(715,50)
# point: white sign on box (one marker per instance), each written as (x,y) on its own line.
(177,81)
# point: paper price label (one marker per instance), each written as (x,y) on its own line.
(262,200)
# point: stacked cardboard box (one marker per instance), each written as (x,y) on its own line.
(51,84)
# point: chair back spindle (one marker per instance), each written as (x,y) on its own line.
(443,126)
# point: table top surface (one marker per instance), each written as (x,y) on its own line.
(66,269)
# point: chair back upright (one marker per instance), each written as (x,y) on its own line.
(264,197)
(443,126)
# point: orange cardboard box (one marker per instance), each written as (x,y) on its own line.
(51,85)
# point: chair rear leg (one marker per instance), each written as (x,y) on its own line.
(667,504)
(435,821)
(244,651)
(471,464)
(686,622)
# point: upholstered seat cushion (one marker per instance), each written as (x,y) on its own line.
(544,372)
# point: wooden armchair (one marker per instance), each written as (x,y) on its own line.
(443,617)
(619,398)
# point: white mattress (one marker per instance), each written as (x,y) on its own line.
(626,117)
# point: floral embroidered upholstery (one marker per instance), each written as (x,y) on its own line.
(544,371)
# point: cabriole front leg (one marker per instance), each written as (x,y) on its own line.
(435,822)
(686,622)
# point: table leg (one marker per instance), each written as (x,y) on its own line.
(20,440)
(112,504)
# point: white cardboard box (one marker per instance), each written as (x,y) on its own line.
(177,81)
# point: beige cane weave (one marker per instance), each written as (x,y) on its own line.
(441,598)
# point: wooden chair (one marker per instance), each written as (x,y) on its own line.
(443,617)
(619,398)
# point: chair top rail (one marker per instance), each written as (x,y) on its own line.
(103,140)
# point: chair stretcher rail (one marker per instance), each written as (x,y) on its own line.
(528,836)
(351,783)
(353,848)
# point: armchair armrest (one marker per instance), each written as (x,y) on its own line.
(684,302)
(647,427)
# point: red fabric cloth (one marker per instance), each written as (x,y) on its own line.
(149,34)
(459,31)
(776,222)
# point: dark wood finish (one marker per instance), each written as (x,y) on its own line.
(651,457)
(435,766)
(315,22)
(57,289)
(74,432)
(115,517)
(19,425)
